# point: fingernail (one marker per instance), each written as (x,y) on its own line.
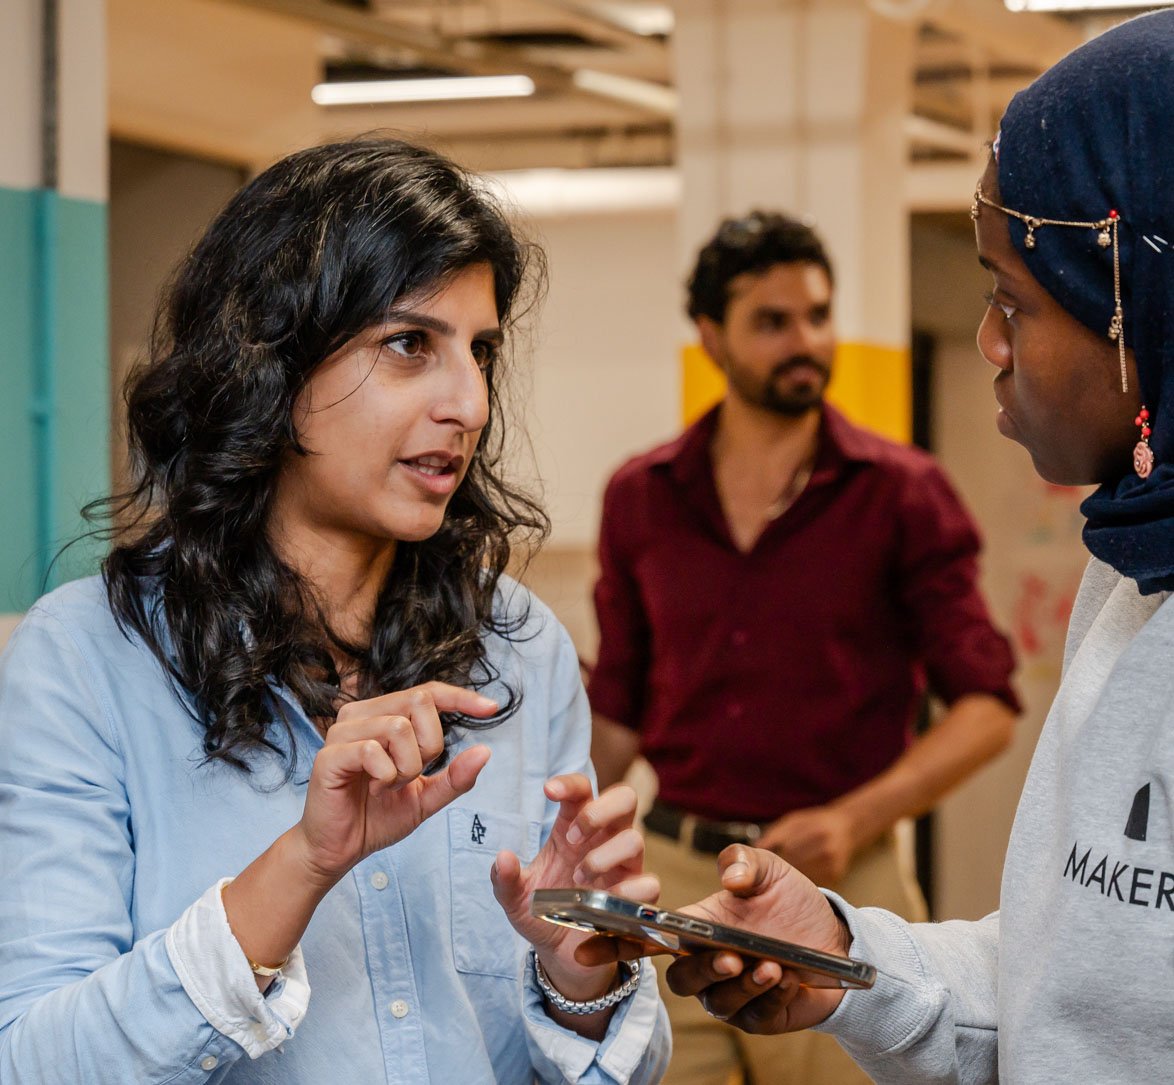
(486,700)
(761,976)
(737,870)
(580,876)
(574,835)
(723,966)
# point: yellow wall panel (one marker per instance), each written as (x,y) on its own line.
(870,384)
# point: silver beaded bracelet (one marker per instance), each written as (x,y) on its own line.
(593,1005)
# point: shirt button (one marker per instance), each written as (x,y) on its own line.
(379,880)
(209,1062)
(740,638)
(399,1008)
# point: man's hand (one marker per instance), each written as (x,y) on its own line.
(761,893)
(820,841)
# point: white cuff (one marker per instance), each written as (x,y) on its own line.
(215,973)
(560,1054)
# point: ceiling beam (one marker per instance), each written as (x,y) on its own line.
(1022,38)
(477,58)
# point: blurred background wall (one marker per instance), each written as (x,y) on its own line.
(635,126)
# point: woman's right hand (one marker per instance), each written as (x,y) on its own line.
(762,893)
(367,789)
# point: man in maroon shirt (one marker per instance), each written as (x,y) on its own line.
(778,588)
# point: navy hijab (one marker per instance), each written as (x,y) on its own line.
(1096,133)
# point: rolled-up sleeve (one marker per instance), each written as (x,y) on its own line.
(619,677)
(217,977)
(963,651)
(80,999)
(635,1050)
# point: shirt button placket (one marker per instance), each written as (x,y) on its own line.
(386,935)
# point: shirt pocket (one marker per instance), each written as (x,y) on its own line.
(483,941)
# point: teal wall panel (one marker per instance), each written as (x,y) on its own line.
(54,386)
(20,567)
(81,380)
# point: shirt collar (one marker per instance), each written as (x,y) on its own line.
(840,444)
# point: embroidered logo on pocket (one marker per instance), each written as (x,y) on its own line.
(478,831)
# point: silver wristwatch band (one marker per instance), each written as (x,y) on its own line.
(593,1005)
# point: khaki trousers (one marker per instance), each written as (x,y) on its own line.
(709,1052)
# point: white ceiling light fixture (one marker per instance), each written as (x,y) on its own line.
(559,193)
(445,89)
(648,20)
(1082,5)
(638,92)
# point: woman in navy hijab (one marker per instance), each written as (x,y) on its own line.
(1073,978)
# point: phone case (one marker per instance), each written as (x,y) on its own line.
(598,912)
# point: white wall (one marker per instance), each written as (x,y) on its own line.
(605,376)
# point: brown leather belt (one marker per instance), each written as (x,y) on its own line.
(700,834)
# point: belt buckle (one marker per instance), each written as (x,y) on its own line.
(752,832)
(720,833)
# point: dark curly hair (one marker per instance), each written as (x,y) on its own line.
(755,242)
(308,255)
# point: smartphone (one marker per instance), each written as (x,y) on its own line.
(597,912)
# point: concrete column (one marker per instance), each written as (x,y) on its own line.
(799,106)
(54,364)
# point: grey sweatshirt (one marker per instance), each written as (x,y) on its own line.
(1072,980)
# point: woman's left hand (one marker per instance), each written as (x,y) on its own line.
(593,846)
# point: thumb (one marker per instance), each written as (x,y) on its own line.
(458,776)
(748,872)
(508,887)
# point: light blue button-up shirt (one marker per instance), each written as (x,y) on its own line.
(112,826)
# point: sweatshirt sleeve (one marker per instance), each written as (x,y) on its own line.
(932,1015)
(81,998)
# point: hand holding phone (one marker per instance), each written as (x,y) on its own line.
(664,931)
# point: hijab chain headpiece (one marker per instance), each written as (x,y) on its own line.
(1106,228)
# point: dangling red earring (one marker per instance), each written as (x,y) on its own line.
(1143,455)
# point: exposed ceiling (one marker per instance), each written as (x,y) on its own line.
(230,79)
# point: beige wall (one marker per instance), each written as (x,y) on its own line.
(7,625)
(159,202)
(605,377)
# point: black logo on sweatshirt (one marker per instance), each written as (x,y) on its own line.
(1139,815)
(1115,879)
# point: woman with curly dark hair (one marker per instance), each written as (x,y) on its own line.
(242,761)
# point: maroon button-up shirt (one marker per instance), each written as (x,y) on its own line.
(768,681)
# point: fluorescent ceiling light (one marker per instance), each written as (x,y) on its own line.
(650,20)
(446,89)
(1080,5)
(638,92)
(559,193)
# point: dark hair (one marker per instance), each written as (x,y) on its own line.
(755,242)
(311,253)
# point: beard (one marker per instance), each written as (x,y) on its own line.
(773,395)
